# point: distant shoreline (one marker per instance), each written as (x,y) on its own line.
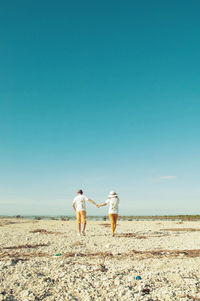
(103,217)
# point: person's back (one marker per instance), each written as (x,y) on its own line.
(80,202)
(113,205)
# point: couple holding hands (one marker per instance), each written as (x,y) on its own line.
(79,205)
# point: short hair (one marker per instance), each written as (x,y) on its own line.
(80,191)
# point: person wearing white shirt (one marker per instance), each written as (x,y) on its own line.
(113,202)
(79,205)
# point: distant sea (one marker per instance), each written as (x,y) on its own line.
(104,218)
(56,217)
(51,217)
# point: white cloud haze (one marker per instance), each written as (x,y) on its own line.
(168,177)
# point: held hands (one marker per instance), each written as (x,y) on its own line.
(98,206)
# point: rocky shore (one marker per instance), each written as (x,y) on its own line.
(146,260)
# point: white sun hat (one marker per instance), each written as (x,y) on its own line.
(112,194)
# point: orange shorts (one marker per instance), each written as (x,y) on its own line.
(81,216)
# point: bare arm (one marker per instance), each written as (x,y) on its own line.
(104,204)
(73,205)
(91,201)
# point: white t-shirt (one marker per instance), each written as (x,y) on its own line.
(79,202)
(113,205)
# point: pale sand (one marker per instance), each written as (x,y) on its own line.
(98,266)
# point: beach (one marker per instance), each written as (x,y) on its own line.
(146,260)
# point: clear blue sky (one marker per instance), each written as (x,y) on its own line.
(99,95)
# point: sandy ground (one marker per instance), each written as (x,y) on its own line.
(165,255)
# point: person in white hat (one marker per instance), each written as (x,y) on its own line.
(113,202)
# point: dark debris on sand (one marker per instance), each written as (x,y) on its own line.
(43,231)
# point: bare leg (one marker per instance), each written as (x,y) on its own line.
(78,217)
(79,228)
(83,219)
(84,226)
